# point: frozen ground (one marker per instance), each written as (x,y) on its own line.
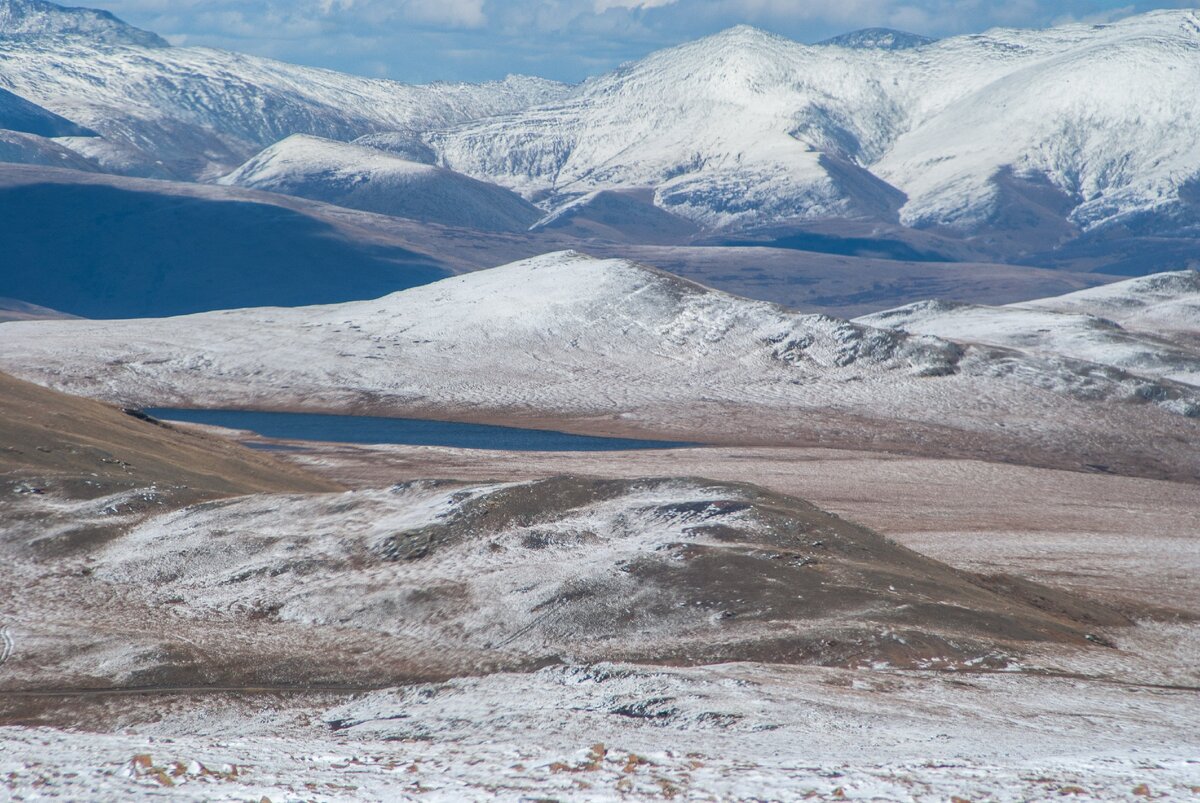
(610,732)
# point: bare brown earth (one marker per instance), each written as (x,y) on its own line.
(79,474)
(736,574)
(51,438)
(1127,540)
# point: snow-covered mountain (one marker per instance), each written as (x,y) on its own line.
(38,19)
(565,336)
(374,180)
(201,111)
(1150,310)
(877,39)
(1040,135)
(1084,125)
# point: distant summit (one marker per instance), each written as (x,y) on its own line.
(878,39)
(38,18)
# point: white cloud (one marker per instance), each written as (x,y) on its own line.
(600,6)
(452,13)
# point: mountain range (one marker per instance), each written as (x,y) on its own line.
(1071,147)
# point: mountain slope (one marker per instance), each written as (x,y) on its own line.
(12,309)
(1101,114)
(202,112)
(75,447)
(564,337)
(30,149)
(1055,132)
(1164,303)
(1038,327)
(128,247)
(18,114)
(685,571)
(709,126)
(1039,141)
(361,177)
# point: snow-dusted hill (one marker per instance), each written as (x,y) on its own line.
(681,570)
(1082,337)
(205,111)
(1164,303)
(1084,125)
(373,180)
(565,336)
(1127,325)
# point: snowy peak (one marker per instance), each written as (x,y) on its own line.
(877,39)
(1036,135)
(38,18)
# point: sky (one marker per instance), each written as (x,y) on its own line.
(567,40)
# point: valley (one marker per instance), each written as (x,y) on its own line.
(753,420)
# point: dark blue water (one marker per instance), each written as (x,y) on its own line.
(410,431)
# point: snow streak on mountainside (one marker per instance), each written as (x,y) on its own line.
(565,335)
(1087,125)
(203,111)
(374,180)
(30,149)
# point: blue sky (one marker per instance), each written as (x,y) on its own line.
(426,40)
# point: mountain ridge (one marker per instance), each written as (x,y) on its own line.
(39,18)
(604,344)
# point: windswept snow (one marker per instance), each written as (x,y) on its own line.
(362,177)
(1150,309)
